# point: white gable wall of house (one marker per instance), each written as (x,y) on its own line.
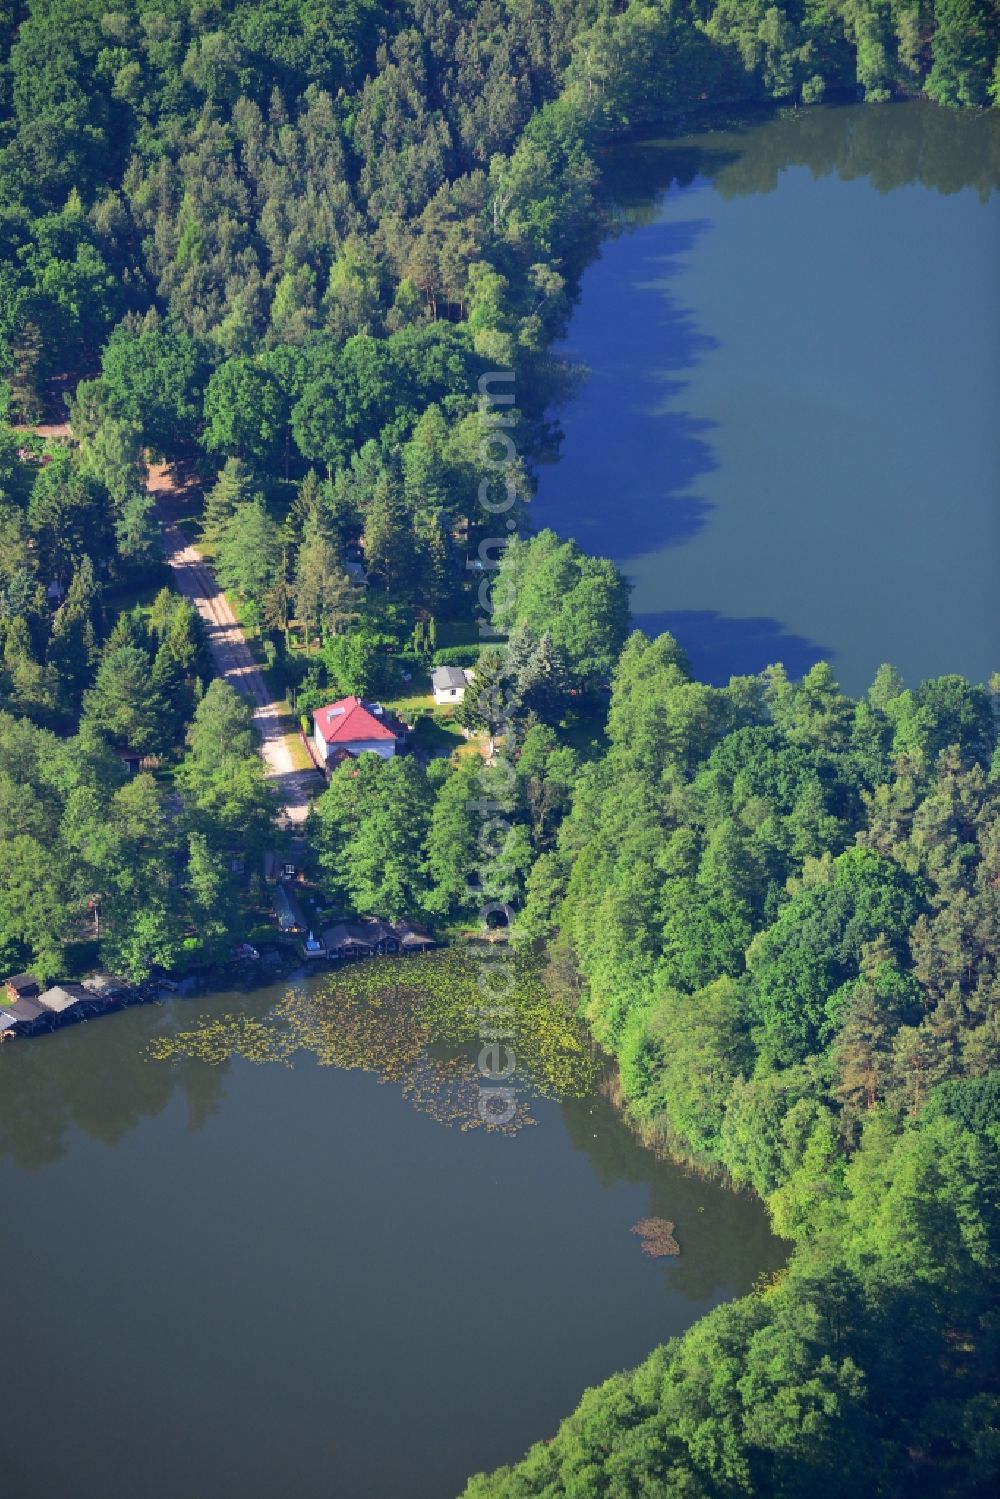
(386,748)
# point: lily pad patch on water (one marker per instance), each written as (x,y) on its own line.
(393,1017)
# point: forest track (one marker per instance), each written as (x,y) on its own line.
(231,656)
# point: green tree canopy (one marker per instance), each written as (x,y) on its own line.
(369,828)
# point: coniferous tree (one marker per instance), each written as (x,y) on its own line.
(231,491)
(452,840)
(544,684)
(864,1050)
(389,540)
(490,702)
(325,598)
(308,510)
(26,379)
(369,828)
(126,704)
(437,564)
(248,554)
(72,651)
(214,904)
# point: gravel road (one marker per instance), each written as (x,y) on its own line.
(233,659)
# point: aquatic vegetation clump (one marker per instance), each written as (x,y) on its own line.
(657,1237)
(225,1036)
(412,1022)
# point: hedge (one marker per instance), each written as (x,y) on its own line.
(456,655)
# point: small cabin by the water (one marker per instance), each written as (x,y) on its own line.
(107,988)
(366,938)
(348,939)
(60,1004)
(382,935)
(31,1017)
(360,939)
(62,1000)
(22,986)
(413,937)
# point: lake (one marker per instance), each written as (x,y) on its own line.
(245,1272)
(788,438)
(245,1279)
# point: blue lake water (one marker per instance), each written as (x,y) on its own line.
(788,437)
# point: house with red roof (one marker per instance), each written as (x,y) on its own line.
(351,727)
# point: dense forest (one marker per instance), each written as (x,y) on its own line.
(200,199)
(277,245)
(778,909)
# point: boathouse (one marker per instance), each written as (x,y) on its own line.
(108,988)
(22,986)
(382,935)
(413,937)
(31,1017)
(69,1001)
(348,939)
(65,997)
(360,939)
(366,938)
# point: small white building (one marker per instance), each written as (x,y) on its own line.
(352,727)
(449,683)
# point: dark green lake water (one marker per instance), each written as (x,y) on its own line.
(251,1280)
(789,437)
